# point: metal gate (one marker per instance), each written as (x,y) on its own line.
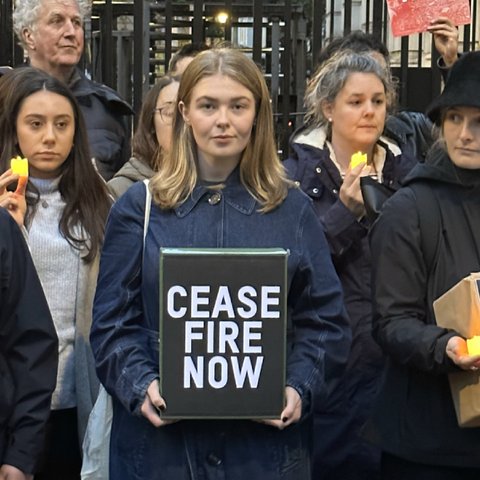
(129,44)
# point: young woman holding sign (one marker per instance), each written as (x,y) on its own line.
(222,185)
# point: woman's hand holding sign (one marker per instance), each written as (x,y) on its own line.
(153,405)
(292,411)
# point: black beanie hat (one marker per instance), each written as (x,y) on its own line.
(462,88)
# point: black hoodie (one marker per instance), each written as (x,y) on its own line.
(438,209)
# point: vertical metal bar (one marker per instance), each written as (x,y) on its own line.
(275,67)
(377,18)
(347,17)
(367,16)
(141,51)
(474,14)
(332,19)
(123,65)
(436,75)
(197,33)
(257,31)
(107,44)
(287,54)
(300,64)
(318,15)
(419,50)
(168,32)
(86,60)
(7,35)
(385,26)
(228,24)
(466,38)
(404,72)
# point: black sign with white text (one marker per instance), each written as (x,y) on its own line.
(223,332)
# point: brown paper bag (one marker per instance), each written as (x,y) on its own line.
(459,309)
(465,388)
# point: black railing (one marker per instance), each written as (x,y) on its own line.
(129,44)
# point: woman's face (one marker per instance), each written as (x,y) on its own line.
(163,116)
(221,113)
(45,128)
(358,112)
(461,131)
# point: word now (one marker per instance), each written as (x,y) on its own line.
(196,303)
(218,371)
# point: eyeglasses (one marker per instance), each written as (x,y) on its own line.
(166,112)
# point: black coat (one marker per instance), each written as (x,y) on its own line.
(28,352)
(340,452)
(108,122)
(413,264)
(412,131)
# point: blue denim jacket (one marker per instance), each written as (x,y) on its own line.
(125,329)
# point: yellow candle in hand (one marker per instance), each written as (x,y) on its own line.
(19,166)
(473,345)
(357,159)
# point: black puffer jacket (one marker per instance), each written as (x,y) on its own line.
(28,352)
(412,131)
(108,120)
(413,264)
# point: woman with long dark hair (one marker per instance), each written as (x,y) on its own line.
(62,211)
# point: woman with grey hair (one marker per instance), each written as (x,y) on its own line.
(347,102)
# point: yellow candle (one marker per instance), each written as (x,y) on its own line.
(357,159)
(19,165)
(473,345)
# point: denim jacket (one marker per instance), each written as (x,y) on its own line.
(125,329)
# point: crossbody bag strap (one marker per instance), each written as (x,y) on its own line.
(148,206)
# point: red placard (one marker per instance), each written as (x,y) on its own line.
(414,16)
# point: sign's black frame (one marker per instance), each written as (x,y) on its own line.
(217,267)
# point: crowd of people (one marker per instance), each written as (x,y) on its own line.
(366,385)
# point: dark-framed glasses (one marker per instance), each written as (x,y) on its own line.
(166,111)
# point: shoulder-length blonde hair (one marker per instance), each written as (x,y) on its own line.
(260,168)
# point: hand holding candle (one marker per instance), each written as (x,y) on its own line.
(358,158)
(473,345)
(19,166)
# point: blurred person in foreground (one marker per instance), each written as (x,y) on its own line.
(28,355)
